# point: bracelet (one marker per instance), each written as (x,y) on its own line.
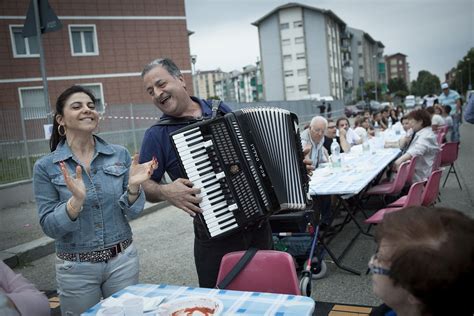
(133,193)
(69,205)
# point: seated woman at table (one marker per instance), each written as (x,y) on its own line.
(422,143)
(18,296)
(423,265)
(86,191)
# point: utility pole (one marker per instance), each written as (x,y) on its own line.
(376,76)
(469,65)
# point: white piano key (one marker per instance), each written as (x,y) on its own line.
(218,232)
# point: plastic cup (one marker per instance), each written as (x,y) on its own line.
(133,306)
(112,311)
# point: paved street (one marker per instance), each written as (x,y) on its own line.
(165,242)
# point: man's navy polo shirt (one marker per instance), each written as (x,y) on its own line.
(157,143)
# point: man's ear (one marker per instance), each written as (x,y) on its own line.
(183,82)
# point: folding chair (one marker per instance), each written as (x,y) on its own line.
(413,199)
(440,138)
(411,170)
(391,188)
(430,192)
(449,154)
(269,271)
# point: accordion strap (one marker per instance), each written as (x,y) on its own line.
(215,104)
(239,266)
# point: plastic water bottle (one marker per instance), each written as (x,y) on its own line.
(390,122)
(365,144)
(376,129)
(335,154)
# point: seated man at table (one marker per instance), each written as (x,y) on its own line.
(319,154)
(345,130)
(331,132)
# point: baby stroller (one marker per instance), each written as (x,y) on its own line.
(298,233)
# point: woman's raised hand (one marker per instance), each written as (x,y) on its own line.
(141,172)
(75,185)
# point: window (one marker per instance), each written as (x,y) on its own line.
(303,87)
(299,40)
(287,58)
(96,89)
(400,62)
(284,26)
(285,42)
(32,103)
(83,39)
(393,62)
(21,46)
(300,56)
(359,43)
(298,24)
(290,89)
(302,72)
(288,73)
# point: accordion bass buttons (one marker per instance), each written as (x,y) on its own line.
(234,169)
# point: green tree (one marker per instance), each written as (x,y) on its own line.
(397,84)
(369,90)
(461,81)
(425,83)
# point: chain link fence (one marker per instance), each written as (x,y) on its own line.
(25,132)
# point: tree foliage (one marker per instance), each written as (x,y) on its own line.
(398,87)
(425,83)
(461,81)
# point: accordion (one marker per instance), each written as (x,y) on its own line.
(248,165)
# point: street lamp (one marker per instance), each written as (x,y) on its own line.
(376,76)
(460,79)
(469,65)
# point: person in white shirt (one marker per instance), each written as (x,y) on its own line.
(422,144)
(343,127)
(319,154)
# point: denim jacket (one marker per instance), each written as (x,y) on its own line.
(103,220)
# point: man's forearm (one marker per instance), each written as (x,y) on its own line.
(154,191)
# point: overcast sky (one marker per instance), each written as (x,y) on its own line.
(434,34)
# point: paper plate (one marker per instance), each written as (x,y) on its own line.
(192,306)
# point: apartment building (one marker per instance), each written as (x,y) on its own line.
(300,52)
(398,67)
(241,86)
(205,82)
(366,59)
(101,45)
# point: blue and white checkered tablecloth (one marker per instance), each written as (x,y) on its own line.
(357,170)
(235,302)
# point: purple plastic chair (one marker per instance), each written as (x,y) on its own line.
(430,192)
(413,199)
(394,187)
(269,271)
(449,154)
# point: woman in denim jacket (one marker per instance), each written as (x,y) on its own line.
(86,190)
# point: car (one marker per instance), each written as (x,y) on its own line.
(375,106)
(352,110)
(361,105)
(410,101)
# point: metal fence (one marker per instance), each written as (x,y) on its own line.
(23,141)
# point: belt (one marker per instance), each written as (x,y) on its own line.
(98,255)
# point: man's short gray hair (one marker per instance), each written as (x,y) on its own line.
(319,119)
(166,63)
